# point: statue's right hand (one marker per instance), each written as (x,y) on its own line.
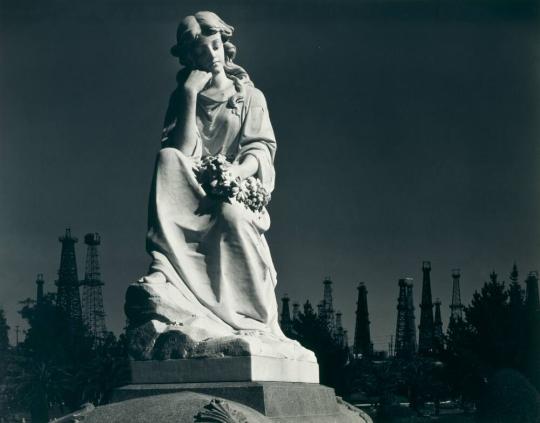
(196,81)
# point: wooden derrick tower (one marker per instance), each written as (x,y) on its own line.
(438,334)
(405,328)
(362,337)
(68,297)
(456,308)
(92,304)
(327,308)
(426,329)
(286,321)
(39,288)
(532,299)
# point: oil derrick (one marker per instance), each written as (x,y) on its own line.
(39,293)
(362,339)
(411,325)
(405,345)
(426,328)
(339,329)
(320,309)
(92,306)
(456,308)
(67,296)
(295,311)
(326,308)
(285,322)
(341,333)
(438,335)
(532,300)
(514,290)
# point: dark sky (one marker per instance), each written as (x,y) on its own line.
(406,132)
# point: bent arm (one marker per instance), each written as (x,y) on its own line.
(184,137)
(180,129)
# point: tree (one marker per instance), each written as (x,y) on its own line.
(4,360)
(4,332)
(495,334)
(4,345)
(58,364)
(313,334)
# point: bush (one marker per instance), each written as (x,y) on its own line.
(508,397)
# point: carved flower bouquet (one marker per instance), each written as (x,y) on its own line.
(213,174)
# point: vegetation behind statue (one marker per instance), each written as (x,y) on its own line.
(59,366)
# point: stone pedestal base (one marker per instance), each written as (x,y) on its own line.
(272,399)
(278,402)
(242,389)
(226,369)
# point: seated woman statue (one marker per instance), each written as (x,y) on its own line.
(210,289)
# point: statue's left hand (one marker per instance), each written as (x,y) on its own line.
(236,171)
(248,167)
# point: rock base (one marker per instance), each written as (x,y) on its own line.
(226,369)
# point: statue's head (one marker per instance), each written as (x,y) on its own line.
(193,29)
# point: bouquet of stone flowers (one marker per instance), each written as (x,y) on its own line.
(213,174)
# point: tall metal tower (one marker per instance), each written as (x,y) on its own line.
(362,337)
(456,308)
(327,309)
(39,293)
(425,336)
(411,325)
(514,290)
(339,336)
(295,310)
(285,322)
(514,274)
(67,296)
(405,345)
(93,312)
(438,334)
(532,300)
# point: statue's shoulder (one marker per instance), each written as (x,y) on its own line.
(254,97)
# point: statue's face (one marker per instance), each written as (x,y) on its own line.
(209,54)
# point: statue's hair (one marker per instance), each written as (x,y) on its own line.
(207,23)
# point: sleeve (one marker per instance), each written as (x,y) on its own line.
(257,138)
(170,123)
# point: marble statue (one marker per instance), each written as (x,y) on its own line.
(210,288)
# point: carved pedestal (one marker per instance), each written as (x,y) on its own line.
(241,402)
(225,369)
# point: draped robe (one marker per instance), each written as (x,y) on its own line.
(213,257)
